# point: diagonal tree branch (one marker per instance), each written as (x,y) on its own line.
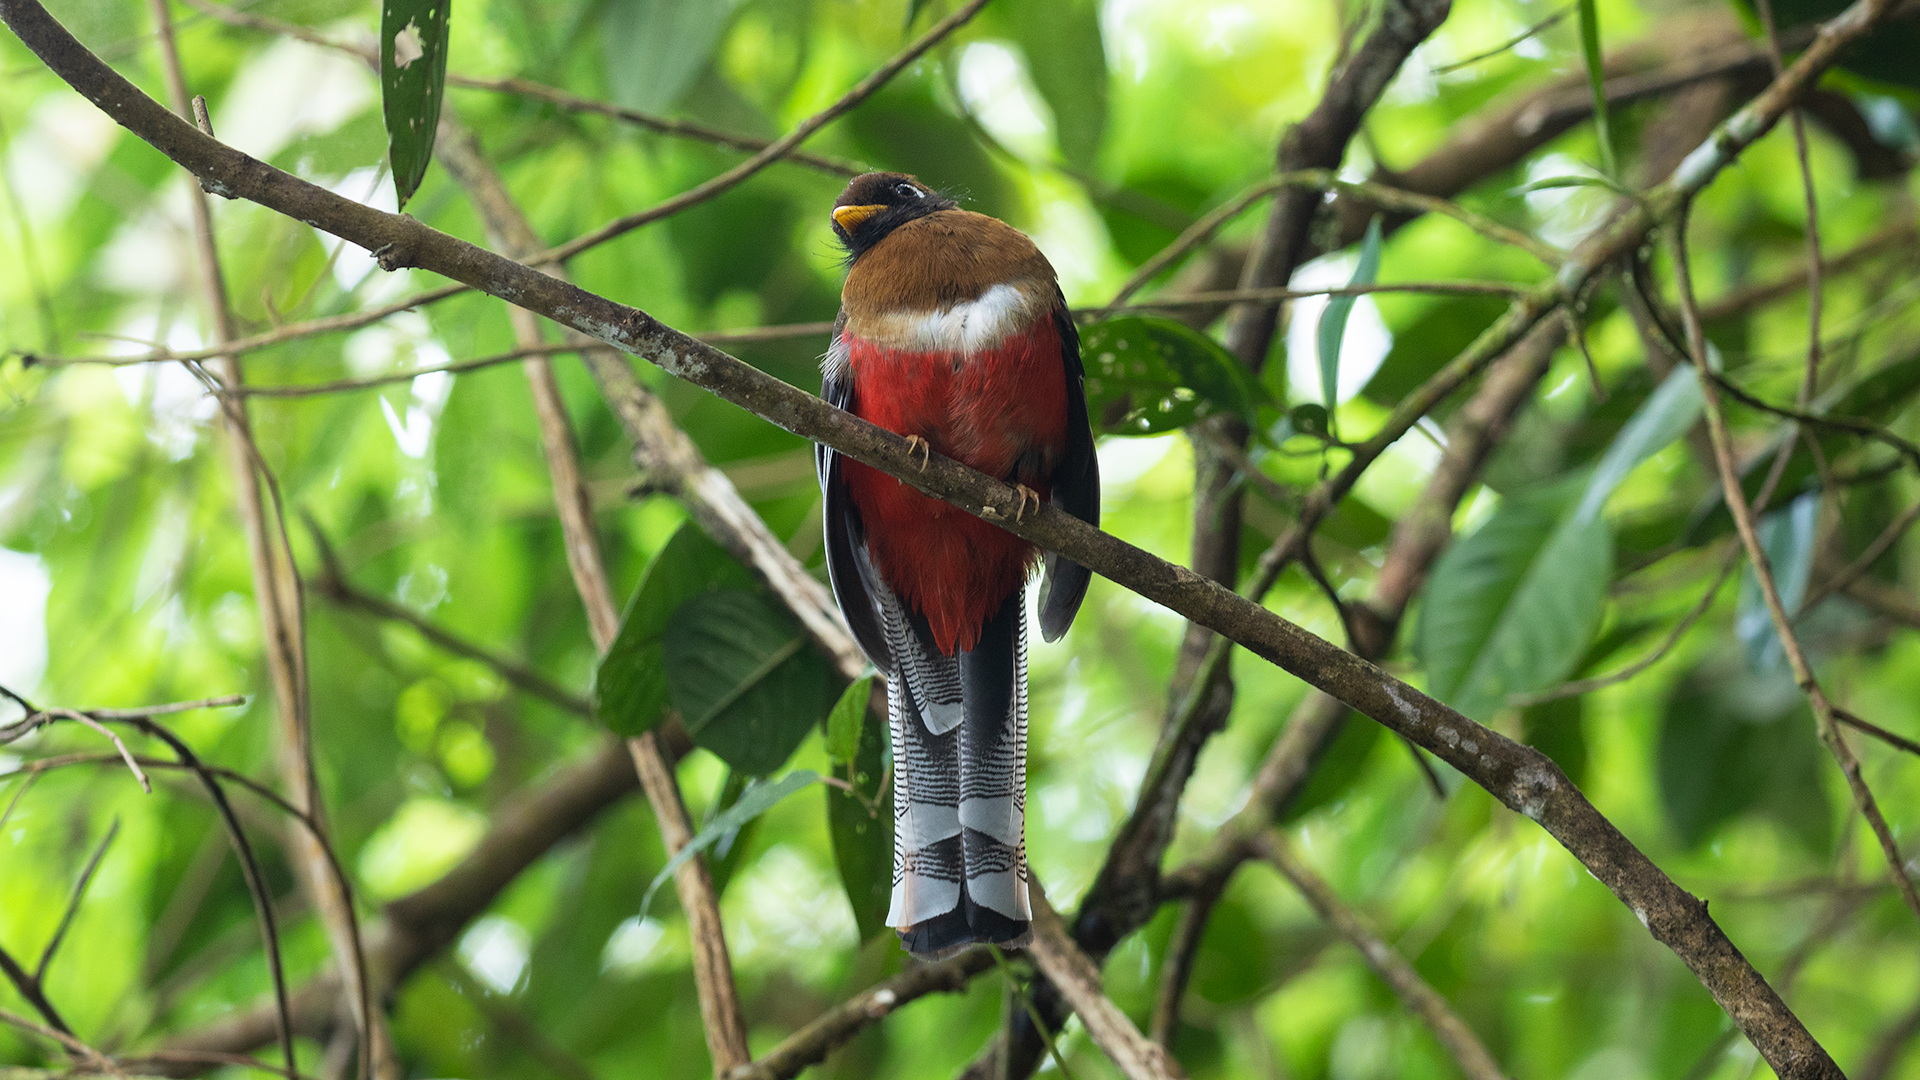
(1823,709)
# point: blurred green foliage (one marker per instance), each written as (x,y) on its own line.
(1102,129)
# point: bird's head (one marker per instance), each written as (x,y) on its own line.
(874,204)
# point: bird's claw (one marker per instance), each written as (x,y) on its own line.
(1028,496)
(918,445)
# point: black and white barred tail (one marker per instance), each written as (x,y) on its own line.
(959,727)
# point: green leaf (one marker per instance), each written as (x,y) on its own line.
(413,76)
(1333,319)
(655,49)
(862,826)
(1553,182)
(756,800)
(746,680)
(630,685)
(1787,536)
(1169,374)
(1068,64)
(1732,741)
(1665,416)
(1596,78)
(849,715)
(1511,608)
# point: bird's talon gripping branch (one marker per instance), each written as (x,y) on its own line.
(1028,496)
(918,445)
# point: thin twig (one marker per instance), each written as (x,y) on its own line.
(1854,570)
(1580,687)
(1468,1052)
(1026,1004)
(775,150)
(1898,742)
(73,903)
(32,992)
(520,87)
(1529,32)
(65,1038)
(1823,709)
(125,754)
(1078,981)
(277,594)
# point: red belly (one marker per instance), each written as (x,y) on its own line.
(1001,410)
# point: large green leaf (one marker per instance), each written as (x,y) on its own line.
(1511,608)
(747,681)
(1733,741)
(656,48)
(1666,415)
(862,825)
(1169,374)
(413,77)
(630,685)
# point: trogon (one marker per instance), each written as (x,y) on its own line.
(952,332)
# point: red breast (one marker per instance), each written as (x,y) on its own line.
(950,335)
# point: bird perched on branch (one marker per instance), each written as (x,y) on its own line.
(953,332)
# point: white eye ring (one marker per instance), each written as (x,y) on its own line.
(909,189)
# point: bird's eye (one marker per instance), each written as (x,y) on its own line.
(909,190)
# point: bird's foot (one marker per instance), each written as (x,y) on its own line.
(918,445)
(1028,498)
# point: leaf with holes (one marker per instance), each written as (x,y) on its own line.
(1168,375)
(413,78)
(630,685)
(746,680)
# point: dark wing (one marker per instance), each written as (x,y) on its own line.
(1076,485)
(847,568)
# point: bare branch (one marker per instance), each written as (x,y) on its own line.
(277,595)
(73,903)
(775,150)
(1823,709)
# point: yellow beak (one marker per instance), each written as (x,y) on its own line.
(850,217)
